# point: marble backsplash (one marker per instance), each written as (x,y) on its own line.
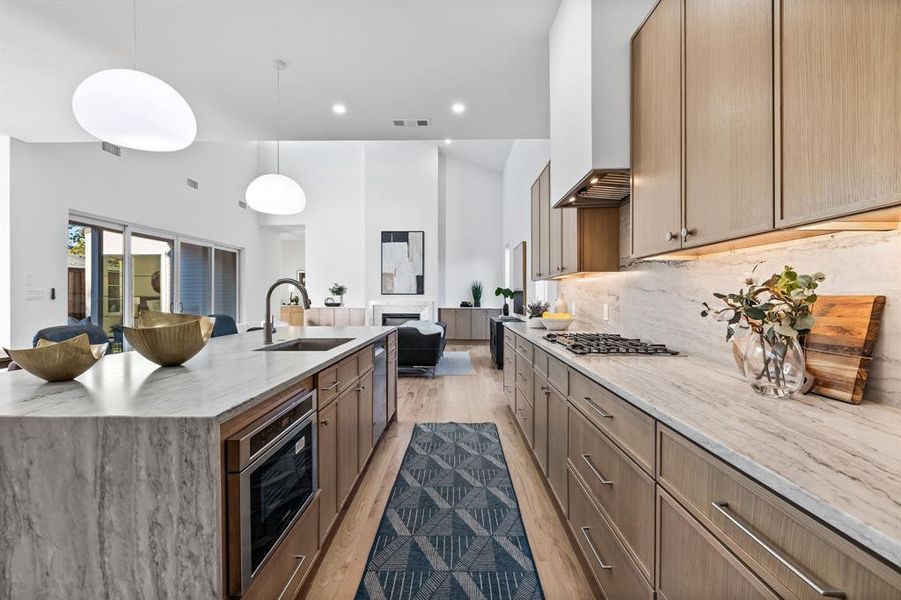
(660,301)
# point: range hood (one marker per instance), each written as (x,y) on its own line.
(590,100)
(601,188)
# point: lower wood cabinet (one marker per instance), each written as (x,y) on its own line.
(611,565)
(539,446)
(392,383)
(467,323)
(525,417)
(327,437)
(557,442)
(348,442)
(695,566)
(364,405)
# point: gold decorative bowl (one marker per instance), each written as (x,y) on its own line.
(59,361)
(169,339)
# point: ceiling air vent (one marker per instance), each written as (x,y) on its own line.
(242,204)
(111,148)
(193,184)
(411,122)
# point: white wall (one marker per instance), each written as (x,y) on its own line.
(5,248)
(474,246)
(293,255)
(47,181)
(527,159)
(401,195)
(570,100)
(332,177)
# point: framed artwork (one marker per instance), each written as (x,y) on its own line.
(403,259)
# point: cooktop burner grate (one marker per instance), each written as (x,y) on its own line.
(606,343)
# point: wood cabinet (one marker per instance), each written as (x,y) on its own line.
(327,437)
(728,120)
(348,445)
(544,235)
(841,108)
(557,443)
(335,316)
(536,232)
(656,131)
(694,566)
(365,419)
(539,447)
(467,323)
(392,380)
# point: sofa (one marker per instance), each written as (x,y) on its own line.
(420,345)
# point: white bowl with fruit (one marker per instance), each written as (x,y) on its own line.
(556,321)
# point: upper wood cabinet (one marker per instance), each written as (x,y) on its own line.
(728,119)
(841,108)
(536,232)
(544,233)
(656,131)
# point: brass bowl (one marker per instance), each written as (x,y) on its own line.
(59,361)
(169,339)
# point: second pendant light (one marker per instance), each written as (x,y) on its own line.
(274,193)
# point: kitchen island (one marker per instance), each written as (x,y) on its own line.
(111,486)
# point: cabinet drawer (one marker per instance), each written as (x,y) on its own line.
(285,570)
(557,376)
(327,385)
(694,566)
(525,417)
(348,370)
(509,337)
(632,429)
(524,376)
(612,567)
(524,348)
(364,360)
(750,520)
(619,486)
(540,361)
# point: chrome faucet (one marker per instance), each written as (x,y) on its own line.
(267,328)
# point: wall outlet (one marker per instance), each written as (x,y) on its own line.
(606,312)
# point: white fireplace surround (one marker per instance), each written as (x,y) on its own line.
(425,308)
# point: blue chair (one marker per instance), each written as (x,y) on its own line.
(61,333)
(224,325)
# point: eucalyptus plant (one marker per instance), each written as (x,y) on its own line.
(777,308)
(337,289)
(537,308)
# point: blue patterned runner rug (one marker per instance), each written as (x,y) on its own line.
(452,528)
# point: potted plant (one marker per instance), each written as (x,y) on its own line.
(476,289)
(776,315)
(535,310)
(338,290)
(507,293)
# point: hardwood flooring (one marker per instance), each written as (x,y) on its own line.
(474,398)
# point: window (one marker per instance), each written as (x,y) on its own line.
(116,272)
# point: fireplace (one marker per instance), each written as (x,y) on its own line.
(397,319)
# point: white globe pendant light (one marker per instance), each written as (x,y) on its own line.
(133,109)
(274,193)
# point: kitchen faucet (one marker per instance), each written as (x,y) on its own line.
(267,328)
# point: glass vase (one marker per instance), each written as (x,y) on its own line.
(775,370)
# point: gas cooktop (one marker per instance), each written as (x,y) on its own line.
(606,343)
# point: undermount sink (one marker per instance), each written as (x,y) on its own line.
(307,345)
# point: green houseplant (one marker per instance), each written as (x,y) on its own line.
(507,293)
(338,290)
(476,289)
(776,314)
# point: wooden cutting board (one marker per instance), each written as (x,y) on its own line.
(839,348)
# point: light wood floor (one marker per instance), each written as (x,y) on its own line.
(476,398)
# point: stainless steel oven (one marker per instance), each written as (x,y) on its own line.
(272,477)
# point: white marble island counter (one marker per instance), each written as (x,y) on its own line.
(110,484)
(839,462)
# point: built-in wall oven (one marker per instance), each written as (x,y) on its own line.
(272,477)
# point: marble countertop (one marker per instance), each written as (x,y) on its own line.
(225,378)
(839,462)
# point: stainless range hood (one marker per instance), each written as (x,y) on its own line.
(601,188)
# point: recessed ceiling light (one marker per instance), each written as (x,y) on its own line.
(447,140)
(339,109)
(458,108)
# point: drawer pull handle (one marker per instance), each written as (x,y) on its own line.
(747,529)
(594,550)
(595,408)
(324,422)
(601,478)
(302,558)
(331,387)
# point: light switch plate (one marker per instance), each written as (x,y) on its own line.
(34,295)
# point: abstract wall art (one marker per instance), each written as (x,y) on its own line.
(403,257)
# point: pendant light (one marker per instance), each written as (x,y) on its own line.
(133,109)
(274,193)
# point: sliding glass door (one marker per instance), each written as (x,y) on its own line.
(207,279)
(226,282)
(152,274)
